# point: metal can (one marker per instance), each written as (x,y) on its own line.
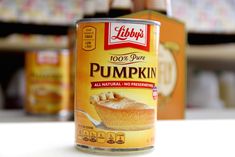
(116,84)
(48,83)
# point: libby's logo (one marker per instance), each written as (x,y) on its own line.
(123,33)
(118,35)
(47,57)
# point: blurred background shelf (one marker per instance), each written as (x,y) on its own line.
(210,113)
(41,12)
(210,38)
(33,28)
(28,25)
(21,116)
(221,52)
(18,42)
(206,16)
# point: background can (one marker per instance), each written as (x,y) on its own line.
(48,83)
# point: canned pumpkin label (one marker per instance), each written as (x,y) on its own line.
(116,84)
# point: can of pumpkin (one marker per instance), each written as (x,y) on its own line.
(116,84)
(48,83)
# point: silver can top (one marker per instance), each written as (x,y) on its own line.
(124,20)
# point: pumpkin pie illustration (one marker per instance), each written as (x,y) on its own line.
(122,113)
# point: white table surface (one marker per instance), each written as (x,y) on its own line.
(188,138)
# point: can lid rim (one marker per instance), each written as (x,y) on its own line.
(125,20)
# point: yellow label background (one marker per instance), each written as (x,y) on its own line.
(133,139)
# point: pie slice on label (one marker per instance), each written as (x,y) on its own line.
(121,113)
